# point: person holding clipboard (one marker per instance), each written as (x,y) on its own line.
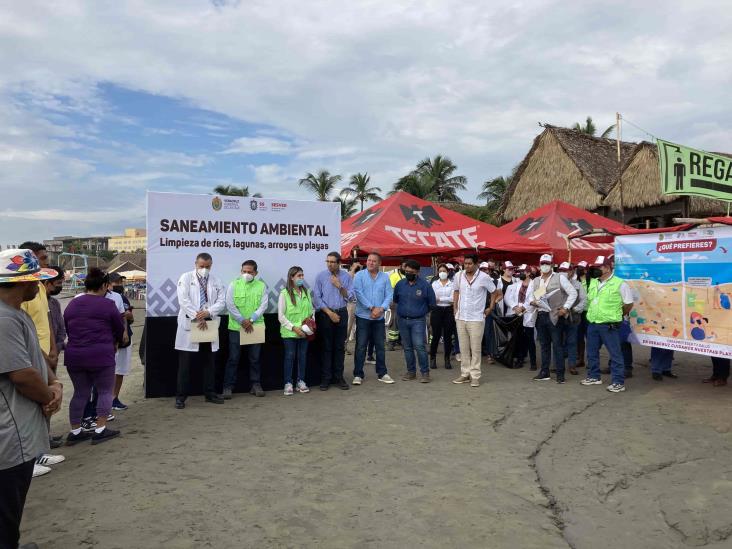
(202,298)
(246,301)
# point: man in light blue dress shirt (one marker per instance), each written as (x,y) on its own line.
(373,296)
(331,293)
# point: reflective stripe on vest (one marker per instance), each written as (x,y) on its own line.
(605,304)
(247,298)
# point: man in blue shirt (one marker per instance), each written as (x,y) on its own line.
(414,297)
(331,293)
(373,297)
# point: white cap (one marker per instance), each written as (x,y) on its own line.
(602,260)
(582,264)
(483,265)
(450,266)
(522,267)
(507,265)
(546,258)
(564,266)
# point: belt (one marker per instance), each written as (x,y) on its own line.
(412,317)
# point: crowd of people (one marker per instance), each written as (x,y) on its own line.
(571,310)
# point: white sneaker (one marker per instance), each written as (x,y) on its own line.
(40,470)
(110,417)
(591,381)
(457,357)
(616,388)
(357,381)
(386,379)
(301,387)
(50,459)
(288,389)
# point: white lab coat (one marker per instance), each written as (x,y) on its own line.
(512,300)
(189,301)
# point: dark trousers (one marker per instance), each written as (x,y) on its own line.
(526,344)
(488,345)
(333,341)
(720,367)
(442,322)
(232,363)
(550,339)
(14,484)
(368,330)
(206,356)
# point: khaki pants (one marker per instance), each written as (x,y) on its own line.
(470,336)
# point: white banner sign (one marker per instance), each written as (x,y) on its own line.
(277,234)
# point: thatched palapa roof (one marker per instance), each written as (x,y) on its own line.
(564,164)
(642,185)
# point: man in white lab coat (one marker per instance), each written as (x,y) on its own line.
(201,297)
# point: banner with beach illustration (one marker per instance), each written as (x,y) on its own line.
(682,285)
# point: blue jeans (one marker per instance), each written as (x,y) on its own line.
(569,337)
(295,348)
(550,340)
(661,360)
(413,332)
(608,335)
(369,331)
(232,363)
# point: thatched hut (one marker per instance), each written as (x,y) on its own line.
(563,164)
(643,202)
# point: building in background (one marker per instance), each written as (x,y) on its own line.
(133,240)
(87,245)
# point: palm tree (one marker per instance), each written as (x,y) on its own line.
(493,192)
(590,129)
(348,206)
(359,189)
(233,190)
(434,177)
(322,185)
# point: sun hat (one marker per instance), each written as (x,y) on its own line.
(546,258)
(22,266)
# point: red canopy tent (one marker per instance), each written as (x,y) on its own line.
(608,235)
(406,226)
(553,222)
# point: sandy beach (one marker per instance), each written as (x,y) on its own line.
(511,464)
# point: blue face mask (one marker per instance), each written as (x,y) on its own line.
(299,282)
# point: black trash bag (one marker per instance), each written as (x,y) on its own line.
(505,337)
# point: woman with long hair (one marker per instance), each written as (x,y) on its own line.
(95,329)
(295,306)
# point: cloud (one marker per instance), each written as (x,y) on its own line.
(259,145)
(662,259)
(697,257)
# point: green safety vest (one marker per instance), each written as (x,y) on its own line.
(297,313)
(247,298)
(606,303)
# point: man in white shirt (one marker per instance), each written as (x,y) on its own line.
(471,290)
(201,297)
(554,297)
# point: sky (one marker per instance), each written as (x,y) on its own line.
(102,101)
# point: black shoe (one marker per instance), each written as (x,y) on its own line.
(657,377)
(448,364)
(670,374)
(542,376)
(433,363)
(180,404)
(257,390)
(324,386)
(72,439)
(98,438)
(628,374)
(214,399)
(560,380)
(343,384)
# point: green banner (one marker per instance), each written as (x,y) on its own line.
(689,171)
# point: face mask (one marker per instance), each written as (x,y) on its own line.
(443,275)
(595,272)
(299,282)
(522,276)
(118,289)
(203,272)
(411,277)
(546,269)
(247,277)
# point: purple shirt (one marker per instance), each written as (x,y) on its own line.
(93,325)
(327,295)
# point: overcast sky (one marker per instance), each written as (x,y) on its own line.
(101,101)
